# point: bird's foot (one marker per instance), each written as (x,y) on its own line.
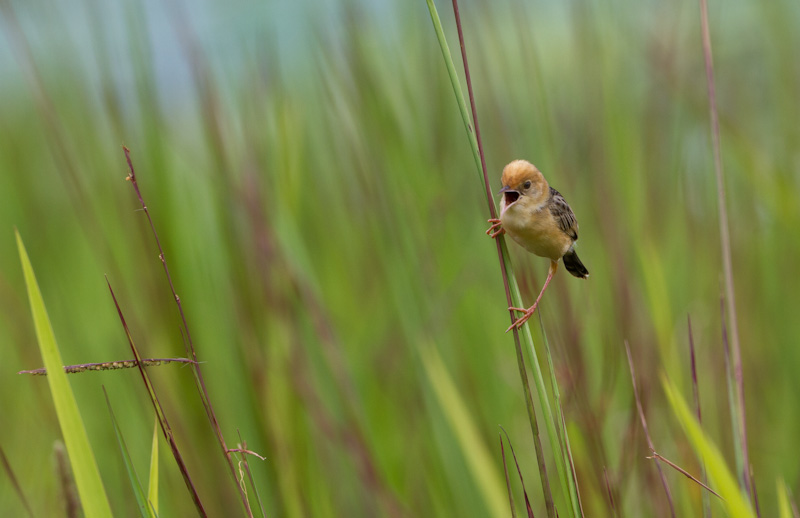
(496,229)
(527,313)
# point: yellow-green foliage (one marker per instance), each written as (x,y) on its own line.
(81,457)
(307,168)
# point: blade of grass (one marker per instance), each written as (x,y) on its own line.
(513,295)
(84,466)
(740,430)
(784,509)
(563,436)
(476,454)
(152,485)
(734,499)
(138,492)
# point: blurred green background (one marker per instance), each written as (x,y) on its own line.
(314,190)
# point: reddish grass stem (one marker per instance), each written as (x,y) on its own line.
(18,488)
(696,393)
(724,232)
(508,479)
(647,432)
(548,497)
(198,375)
(166,429)
(609,493)
(528,507)
(657,456)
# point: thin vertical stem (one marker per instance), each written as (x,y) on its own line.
(212,417)
(548,496)
(564,467)
(161,416)
(647,432)
(508,480)
(18,487)
(696,392)
(724,232)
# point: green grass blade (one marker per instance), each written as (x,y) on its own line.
(84,466)
(152,489)
(141,500)
(720,476)
(784,508)
(475,450)
(563,437)
(451,71)
(560,455)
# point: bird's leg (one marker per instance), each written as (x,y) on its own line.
(496,229)
(528,312)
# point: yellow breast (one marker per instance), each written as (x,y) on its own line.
(535,230)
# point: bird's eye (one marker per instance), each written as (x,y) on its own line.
(527,184)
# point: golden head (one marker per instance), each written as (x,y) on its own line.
(522,182)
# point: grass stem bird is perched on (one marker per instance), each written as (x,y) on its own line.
(540,220)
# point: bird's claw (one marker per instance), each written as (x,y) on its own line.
(496,229)
(528,313)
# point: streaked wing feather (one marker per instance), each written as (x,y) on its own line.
(563,214)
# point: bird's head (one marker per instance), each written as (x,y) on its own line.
(523,185)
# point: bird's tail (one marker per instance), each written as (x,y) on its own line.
(574,265)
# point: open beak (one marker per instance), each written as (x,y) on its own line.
(510,196)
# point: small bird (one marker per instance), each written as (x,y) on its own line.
(540,220)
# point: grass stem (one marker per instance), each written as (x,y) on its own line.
(740,430)
(198,374)
(647,432)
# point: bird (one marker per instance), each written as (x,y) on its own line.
(539,219)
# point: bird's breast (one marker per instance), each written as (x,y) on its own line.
(536,231)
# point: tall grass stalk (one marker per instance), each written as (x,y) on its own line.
(166,429)
(198,374)
(738,410)
(513,297)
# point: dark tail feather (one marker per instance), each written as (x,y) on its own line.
(574,265)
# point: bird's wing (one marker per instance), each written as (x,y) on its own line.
(563,214)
